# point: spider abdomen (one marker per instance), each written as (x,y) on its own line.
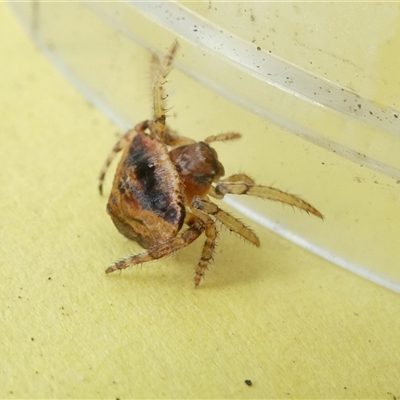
(146,202)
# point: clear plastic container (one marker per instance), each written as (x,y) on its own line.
(313,87)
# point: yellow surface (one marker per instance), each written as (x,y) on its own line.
(294,324)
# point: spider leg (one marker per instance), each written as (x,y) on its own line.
(158,92)
(122,142)
(213,193)
(266,192)
(208,249)
(239,178)
(222,137)
(232,223)
(233,178)
(196,227)
(173,139)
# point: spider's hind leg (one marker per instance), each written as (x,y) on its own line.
(159,95)
(122,142)
(196,227)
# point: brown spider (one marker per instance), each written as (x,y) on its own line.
(163,181)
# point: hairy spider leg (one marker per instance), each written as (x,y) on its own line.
(232,223)
(159,95)
(231,185)
(210,231)
(196,227)
(173,139)
(120,145)
(222,137)
(239,178)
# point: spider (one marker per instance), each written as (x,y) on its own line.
(164,182)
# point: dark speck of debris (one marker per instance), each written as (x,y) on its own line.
(258,48)
(248,382)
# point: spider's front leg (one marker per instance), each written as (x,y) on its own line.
(208,249)
(196,227)
(242,184)
(232,223)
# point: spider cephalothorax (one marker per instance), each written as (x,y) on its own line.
(164,181)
